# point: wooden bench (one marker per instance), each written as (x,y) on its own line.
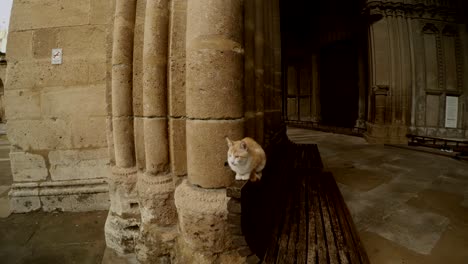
(454,144)
(297,214)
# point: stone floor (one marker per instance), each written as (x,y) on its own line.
(409,207)
(46,238)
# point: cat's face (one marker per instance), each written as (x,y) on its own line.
(237,153)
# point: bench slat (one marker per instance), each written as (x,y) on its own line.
(327,225)
(301,248)
(343,251)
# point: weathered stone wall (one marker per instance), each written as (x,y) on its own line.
(417,53)
(57,113)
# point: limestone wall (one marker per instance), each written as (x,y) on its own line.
(57,113)
(416,63)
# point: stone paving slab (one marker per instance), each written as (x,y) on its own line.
(413,228)
(52,238)
(409,206)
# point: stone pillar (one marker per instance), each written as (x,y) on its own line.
(155,186)
(249,69)
(361,121)
(390,67)
(271,71)
(316,115)
(123,220)
(214,111)
(259,40)
(176,87)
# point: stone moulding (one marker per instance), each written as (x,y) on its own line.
(76,195)
(416,10)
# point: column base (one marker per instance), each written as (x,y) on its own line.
(360,124)
(185,254)
(158,230)
(112,257)
(156,244)
(386,134)
(121,233)
(203,218)
(123,221)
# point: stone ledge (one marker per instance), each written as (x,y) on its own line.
(72,196)
(234,191)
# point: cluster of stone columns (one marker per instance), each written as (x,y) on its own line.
(193,93)
(155,184)
(390,77)
(142,218)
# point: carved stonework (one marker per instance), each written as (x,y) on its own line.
(439,10)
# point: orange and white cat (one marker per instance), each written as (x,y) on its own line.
(246,158)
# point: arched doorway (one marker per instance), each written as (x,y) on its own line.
(322,57)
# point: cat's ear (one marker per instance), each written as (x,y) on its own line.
(229,142)
(243,145)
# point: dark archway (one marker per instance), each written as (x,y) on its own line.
(321,46)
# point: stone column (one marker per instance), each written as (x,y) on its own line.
(259,70)
(123,220)
(361,121)
(316,115)
(249,69)
(155,186)
(214,110)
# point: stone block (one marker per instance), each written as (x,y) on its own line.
(179,5)
(78,164)
(89,132)
(98,72)
(24,204)
(214,77)
(21,75)
(138,63)
(52,203)
(234,218)
(203,218)
(208,18)
(22,104)
(79,101)
(28,167)
(44,40)
(207,151)
(19,46)
(178,146)
(110,140)
(40,73)
(176,77)
(83,42)
(40,134)
(234,206)
(101,12)
(49,14)
(139,143)
(84,202)
(156,145)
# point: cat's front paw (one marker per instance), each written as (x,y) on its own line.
(240,177)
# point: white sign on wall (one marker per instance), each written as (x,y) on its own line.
(56,56)
(451,111)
